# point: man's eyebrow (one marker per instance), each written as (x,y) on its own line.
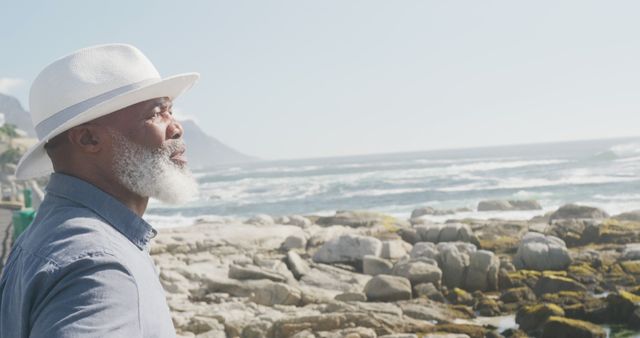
(164,105)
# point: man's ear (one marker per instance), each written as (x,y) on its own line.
(87,137)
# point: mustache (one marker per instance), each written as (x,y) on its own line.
(173,146)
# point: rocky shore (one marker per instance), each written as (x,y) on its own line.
(571,273)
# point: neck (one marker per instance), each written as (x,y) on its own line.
(110,185)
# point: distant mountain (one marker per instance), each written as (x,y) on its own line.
(205,151)
(15,114)
(202,150)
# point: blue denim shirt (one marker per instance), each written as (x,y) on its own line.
(82,269)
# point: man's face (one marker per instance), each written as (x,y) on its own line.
(150,124)
(148,152)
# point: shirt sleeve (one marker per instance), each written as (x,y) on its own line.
(95,296)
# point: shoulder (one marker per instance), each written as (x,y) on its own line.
(94,293)
(67,233)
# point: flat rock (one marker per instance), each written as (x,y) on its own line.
(351,297)
(253,272)
(332,278)
(560,327)
(503,205)
(632,216)
(573,211)
(277,293)
(418,272)
(555,284)
(357,219)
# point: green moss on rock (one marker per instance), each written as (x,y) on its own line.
(560,327)
(631,267)
(532,317)
(520,278)
(619,232)
(556,283)
(622,305)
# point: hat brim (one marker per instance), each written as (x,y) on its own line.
(36,163)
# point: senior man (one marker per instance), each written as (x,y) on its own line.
(105,128)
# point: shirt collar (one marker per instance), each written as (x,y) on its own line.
(132,226)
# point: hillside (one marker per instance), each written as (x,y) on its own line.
(15,114)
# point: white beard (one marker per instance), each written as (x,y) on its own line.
(150,172)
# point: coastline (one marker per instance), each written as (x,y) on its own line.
(367,274)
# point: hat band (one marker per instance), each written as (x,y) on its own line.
(46,126)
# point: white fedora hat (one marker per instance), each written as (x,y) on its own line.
(87,84)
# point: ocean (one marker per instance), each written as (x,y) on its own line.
(602,173)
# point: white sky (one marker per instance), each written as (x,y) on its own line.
(290,79)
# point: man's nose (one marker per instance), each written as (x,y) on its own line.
(174,130)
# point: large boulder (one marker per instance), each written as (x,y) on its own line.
(348,249)
(539,252)
(574,211)
(418,271)
(502,205)
(386,288)
(482,273)
(461,264)
(560,327)
(454,263)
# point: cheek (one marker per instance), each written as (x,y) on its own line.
(150,134)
